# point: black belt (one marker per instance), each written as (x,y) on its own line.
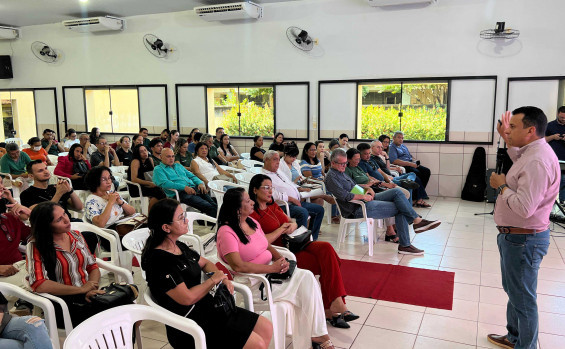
(514,230)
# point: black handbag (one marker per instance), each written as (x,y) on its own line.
(297,243)
(116,294)
(224,303)
(277,278)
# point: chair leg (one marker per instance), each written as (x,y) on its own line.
(370,234)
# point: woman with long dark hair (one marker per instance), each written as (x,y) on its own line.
(182,155)
(242,244)
(124,152)
(74,166)
(59,262)
(310,164)
(257,151)
(173,273)
(140,164)
(205,168)
(172,139)
(226,149)
(278,143)
(318,257)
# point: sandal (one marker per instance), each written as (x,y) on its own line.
(327,344)
(423,204)
(349,316)
(338,321)
(391,238)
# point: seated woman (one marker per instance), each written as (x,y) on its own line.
(21,332)
(140,164)
(104,208)
(318,257)
(173,273)
(36,152)
(182,155)
(70,139)
(323,155)
(136,140)
(242,244)
(74,166)
(278,144)
(172,139)
(256,152)
(205,168)
(226,149)
(124,151)
(310,164)
(59,262)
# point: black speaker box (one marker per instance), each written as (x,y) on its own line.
(6,67)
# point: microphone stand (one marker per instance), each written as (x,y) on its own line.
(498,170)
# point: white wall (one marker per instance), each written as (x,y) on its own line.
(357,41)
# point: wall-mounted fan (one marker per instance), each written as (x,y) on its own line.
(44,52)
(300,39)
(500,32)
(156,46)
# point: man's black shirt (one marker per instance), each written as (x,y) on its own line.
(33,196)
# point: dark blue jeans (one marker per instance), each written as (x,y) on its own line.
(520,258)
(201,202)
(391,203)
(301,213)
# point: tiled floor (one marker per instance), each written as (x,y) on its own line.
(464,244)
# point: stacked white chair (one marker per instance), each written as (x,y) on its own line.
(248,164)
(217,187)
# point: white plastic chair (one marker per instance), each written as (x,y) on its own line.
(279,311)
(217,187)
(42,302)
(245,156)
(208,243)
(113,328)
(54,159)
(244,178)
(248,164)
(327,205)
(117,256)
(371,226)
(231,169)
(26,146)
(140,203)
(18,141)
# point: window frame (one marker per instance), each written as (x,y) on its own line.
(447,79)
(205,87)
(101,87)
(33,89)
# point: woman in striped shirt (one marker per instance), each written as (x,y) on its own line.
(310,164)
(59,262)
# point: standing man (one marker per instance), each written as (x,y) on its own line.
(525,199)
(400,156)
(555,137)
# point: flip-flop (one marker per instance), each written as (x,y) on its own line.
(391,238)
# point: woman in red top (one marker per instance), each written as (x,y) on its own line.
(36,152)
(74,166)
(319,257)
(172,140)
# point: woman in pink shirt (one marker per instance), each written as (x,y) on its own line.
(242,244)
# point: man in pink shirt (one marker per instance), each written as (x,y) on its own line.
(525,199)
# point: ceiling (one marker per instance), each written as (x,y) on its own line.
(21,13)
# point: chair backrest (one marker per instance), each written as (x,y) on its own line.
(244,178)
(115,327)
(54,159)
(246,156)
(217,188)
(114,239)
(18,141)
(251,163)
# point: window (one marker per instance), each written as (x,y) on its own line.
(419,109)
(241,111)
(18,114)
(112,110)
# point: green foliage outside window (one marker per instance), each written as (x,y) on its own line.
(255,119)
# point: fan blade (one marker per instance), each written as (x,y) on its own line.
(153,47)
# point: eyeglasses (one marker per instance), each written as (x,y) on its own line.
(266,187)
(105,179)
(340,163)
(182,218)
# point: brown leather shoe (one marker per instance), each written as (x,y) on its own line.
(501,341)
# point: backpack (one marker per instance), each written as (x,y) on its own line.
(475,185)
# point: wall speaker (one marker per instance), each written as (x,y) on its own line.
(6,67)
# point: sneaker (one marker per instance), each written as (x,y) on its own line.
(425,225)
(410,250)
(500,341)
(408,184)
(22,308)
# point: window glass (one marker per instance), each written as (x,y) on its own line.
(112,110)
(18,114)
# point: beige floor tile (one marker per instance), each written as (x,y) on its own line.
(551,304)
(462,252)
(552,323)
(465,310)
(344,337)
(491,280)
(402,306)
(492,295)
(358,308)
(460,331)
(466,292)
(426,259)
(486,329)
(492,314)
(551,288)
(370,337)
(476,244)
(465,276)
(433,343)
(395,319)
(551,341)
(463,263)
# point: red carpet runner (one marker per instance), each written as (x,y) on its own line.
(395,283)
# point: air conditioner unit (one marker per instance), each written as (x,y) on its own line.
(95,24)
(9,33)
(224,12)
(378,3)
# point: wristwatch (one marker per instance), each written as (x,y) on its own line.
(501,188)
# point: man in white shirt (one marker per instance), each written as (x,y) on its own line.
(286,190)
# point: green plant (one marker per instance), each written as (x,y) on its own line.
(419,123)
(254,120)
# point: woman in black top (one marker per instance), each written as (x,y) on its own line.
(140,164)
(173,273)
(257,152)
(124,152)
(278,144)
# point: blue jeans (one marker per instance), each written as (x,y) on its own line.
(520,258)
(201,202)
(388,203)
(19,334)
(301,213)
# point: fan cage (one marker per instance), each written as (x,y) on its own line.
(506,34)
